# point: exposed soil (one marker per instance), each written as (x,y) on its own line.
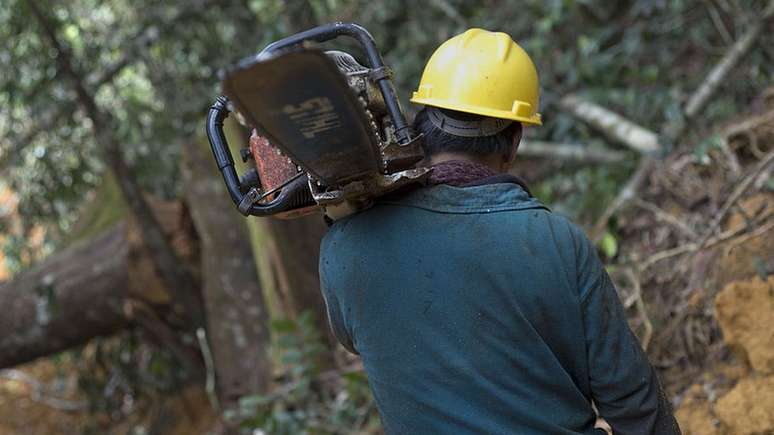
(749,408)
(745,311)
(696,415)
(710,300)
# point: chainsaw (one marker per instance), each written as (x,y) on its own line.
(328,133)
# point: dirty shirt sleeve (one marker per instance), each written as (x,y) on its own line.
(624,385)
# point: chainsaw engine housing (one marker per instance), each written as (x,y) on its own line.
(328,131)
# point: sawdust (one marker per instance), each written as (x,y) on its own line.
(745,311)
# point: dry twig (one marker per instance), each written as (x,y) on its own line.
(693,247)
(749,124)
(572,152)
(740,189)
(713,80)
(628,192)
(636,297)
(447,8)
(666,217)
(39,392)
(613,125)
(763,229)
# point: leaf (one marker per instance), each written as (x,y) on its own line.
(284,325)
(355,376)
(609,245)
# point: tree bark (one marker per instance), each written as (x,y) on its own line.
(93,288)
(295,257)
(237,319)
(72,296)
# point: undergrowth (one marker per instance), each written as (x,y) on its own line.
(308,400)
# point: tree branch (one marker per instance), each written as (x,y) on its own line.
(578,153)
(449,10)
(715,77)
(139,41)
(613,125)
(739,190)
(626,194)
(170,269)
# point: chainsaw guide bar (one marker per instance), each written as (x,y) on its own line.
(329,132)
(301,102)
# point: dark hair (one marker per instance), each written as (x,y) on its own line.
(437,140)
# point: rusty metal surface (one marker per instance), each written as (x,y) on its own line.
(273,168)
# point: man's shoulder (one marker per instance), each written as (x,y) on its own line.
(485,198)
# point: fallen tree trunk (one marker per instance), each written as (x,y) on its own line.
(90,288)
(73,296)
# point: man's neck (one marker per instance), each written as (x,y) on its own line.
(492,161)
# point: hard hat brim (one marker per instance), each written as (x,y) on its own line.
(535,119)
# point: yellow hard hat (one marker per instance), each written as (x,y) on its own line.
(484,73)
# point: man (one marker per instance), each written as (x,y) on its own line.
(473,307)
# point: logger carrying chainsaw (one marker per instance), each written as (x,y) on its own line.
(329,133)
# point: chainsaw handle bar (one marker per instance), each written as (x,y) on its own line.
(293,195)
(380,74)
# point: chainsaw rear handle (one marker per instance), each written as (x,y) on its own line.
(380,75)
(294,195)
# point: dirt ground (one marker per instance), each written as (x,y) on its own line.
(738,398)
(708,296)
(42,398)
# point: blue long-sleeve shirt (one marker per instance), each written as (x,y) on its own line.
(477,311)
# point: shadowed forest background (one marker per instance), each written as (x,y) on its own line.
(136,300)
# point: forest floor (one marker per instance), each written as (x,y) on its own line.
(736,396)
(700,242)
(43,398)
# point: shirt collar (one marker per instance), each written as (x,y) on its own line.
(502,194)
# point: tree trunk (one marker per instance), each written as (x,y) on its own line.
(237,320)
(295,253)
(93,288)
(288,251)
(74,295)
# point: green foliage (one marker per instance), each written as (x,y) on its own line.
(702,150)
(305,402)
(641,58)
